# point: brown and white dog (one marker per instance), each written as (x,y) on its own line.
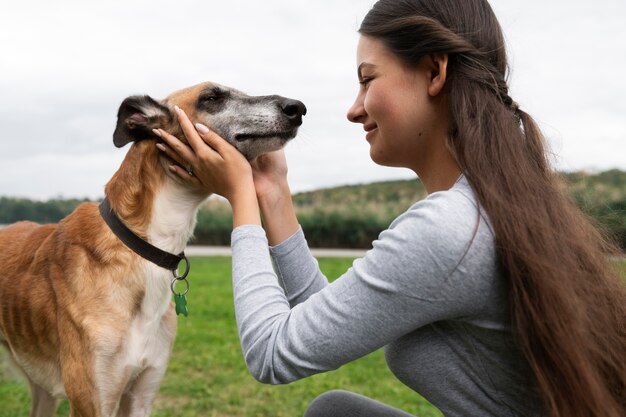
(84,317)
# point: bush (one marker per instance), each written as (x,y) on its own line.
(341,230)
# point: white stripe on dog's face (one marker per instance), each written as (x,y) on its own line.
(253,124)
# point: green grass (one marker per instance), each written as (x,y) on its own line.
(207,375)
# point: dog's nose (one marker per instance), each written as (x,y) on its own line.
(294,110)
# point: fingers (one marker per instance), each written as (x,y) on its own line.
(184,174)
(202,132)
(178,170)
(173,155)
(205,147)
(212,139)
(190,133)
(178,151)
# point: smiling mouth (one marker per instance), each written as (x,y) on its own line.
(240,137)
(369,128)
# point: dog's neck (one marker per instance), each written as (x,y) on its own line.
(173,218)
(151,202)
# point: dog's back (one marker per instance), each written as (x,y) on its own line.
(14,238)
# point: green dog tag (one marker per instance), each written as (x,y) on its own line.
(181,304)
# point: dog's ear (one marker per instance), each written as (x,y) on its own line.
(136,118)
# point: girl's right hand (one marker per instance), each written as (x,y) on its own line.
(214,165)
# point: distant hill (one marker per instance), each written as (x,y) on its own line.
(373,206)
(354,215)
(386,198)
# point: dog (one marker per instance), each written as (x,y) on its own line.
(82,315)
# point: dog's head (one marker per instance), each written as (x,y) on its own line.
(253,124)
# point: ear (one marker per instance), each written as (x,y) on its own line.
(136,118)
(438,66)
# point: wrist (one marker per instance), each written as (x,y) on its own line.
(271,195)
(245,207)
(278,214)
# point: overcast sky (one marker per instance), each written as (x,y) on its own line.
(65,66)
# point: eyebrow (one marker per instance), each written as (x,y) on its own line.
(364,65)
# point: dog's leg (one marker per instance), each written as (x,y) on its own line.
(77,369)
(137,402)
(112,387)
(43,404)
(124,394)
(138,399)
(82,396)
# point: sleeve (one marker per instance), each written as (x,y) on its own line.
(404,282)
(297,270)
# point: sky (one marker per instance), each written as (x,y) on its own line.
(66,65)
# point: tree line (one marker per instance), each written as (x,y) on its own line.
(353,216)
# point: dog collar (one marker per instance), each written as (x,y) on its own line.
(136,244)
(149,252)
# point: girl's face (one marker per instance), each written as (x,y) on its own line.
(396,106)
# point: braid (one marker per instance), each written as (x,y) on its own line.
(511,105)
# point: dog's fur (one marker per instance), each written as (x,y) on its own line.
(83,316)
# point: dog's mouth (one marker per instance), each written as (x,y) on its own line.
(286,135)
(252,144)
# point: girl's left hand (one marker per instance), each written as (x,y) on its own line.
(213,164)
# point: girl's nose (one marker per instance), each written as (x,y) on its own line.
(356,112)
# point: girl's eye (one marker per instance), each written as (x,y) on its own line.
(365,81)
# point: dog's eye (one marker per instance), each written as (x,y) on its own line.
(209,97)
(213,95)
(211,100)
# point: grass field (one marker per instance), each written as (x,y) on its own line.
(207,375)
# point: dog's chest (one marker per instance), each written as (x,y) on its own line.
(150,334)
(148,344)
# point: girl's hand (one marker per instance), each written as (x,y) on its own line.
(274,196)
(215,166)
(270,174)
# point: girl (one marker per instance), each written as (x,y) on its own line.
(492,297)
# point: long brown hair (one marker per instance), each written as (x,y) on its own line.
(568,304)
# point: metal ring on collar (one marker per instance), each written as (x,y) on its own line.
(173,285)
(187,268)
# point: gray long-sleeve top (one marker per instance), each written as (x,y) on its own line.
(429,291)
